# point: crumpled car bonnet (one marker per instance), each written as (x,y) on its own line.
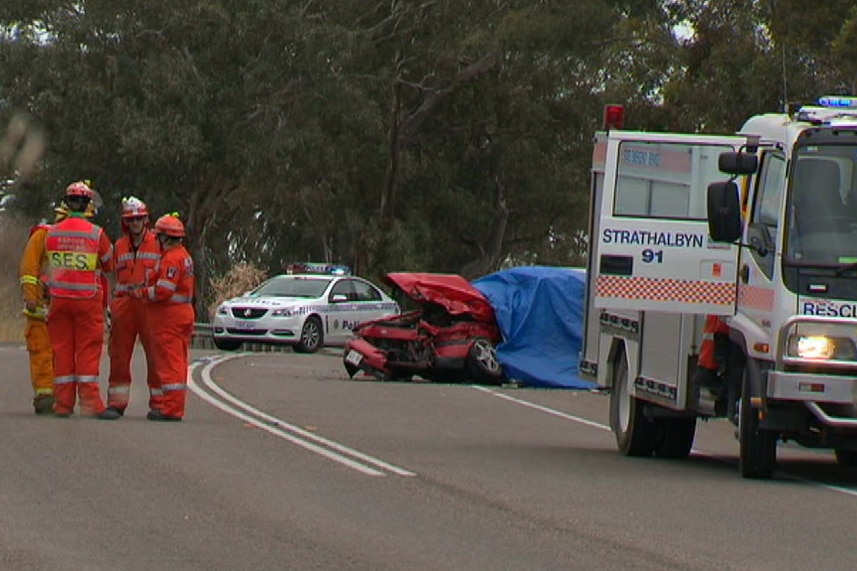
(451,291)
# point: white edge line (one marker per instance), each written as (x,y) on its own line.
(815,483)
(550,411)
(279,427)
(281,434)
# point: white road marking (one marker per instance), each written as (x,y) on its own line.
(815,483)
(279,428)
(333,451)
(545,409)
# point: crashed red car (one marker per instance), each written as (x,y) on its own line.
(450,338)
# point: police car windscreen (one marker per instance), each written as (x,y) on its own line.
(292,287)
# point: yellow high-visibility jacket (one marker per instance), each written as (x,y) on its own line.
(32,272)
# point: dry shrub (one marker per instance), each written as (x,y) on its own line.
(241,278)
(13,238)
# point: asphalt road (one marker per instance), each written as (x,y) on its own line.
(285,463)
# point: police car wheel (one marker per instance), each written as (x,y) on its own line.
(312,336)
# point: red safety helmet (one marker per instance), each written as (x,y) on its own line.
(170,225)
(133,207)
(79,189)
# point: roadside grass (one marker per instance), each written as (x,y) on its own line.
(13,238)
(242,277)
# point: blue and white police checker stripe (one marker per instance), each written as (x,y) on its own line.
(340,307)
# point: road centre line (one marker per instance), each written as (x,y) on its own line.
(333,451)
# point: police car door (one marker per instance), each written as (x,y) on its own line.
(342,311)
(652,250)
(370,303)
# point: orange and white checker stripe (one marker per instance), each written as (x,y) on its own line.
(754,297)
(659,289)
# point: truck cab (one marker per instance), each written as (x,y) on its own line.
(772,250)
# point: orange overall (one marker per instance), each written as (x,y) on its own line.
(714,325)
(36,332)
(77,251)
(135,268)
(170,317)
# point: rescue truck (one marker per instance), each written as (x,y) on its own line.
(759,228)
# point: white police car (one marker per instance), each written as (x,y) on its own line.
(318,306)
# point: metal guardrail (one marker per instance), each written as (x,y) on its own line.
(202,339)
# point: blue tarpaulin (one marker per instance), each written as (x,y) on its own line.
(540,313)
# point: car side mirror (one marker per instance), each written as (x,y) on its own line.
(338,298)
(724,212)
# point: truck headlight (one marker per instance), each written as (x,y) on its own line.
(822,348)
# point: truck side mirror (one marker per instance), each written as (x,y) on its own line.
(724,211)
(737,163)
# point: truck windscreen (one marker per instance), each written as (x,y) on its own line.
(822,214)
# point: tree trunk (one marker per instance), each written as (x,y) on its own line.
(493,249)
(205,207)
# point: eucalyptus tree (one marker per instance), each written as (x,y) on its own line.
(490,111)
(744,58)
(438,135)
(209,108)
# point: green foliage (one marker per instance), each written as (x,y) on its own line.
(398,135)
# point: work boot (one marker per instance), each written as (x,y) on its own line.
(108,414)
(43,404)
(119,411)
(158,416)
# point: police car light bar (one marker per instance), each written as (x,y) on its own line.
(838,101)
(318,268)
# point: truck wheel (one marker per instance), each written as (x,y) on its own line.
(312,336)
(635,434)
(674,437)
(758,447)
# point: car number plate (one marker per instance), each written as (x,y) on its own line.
(353,357)
(246,325)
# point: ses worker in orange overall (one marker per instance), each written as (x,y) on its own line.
(34,291)
(136,256)
(77,252)
(170,318)
(714,347)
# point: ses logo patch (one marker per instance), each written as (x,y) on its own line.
(73,260)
